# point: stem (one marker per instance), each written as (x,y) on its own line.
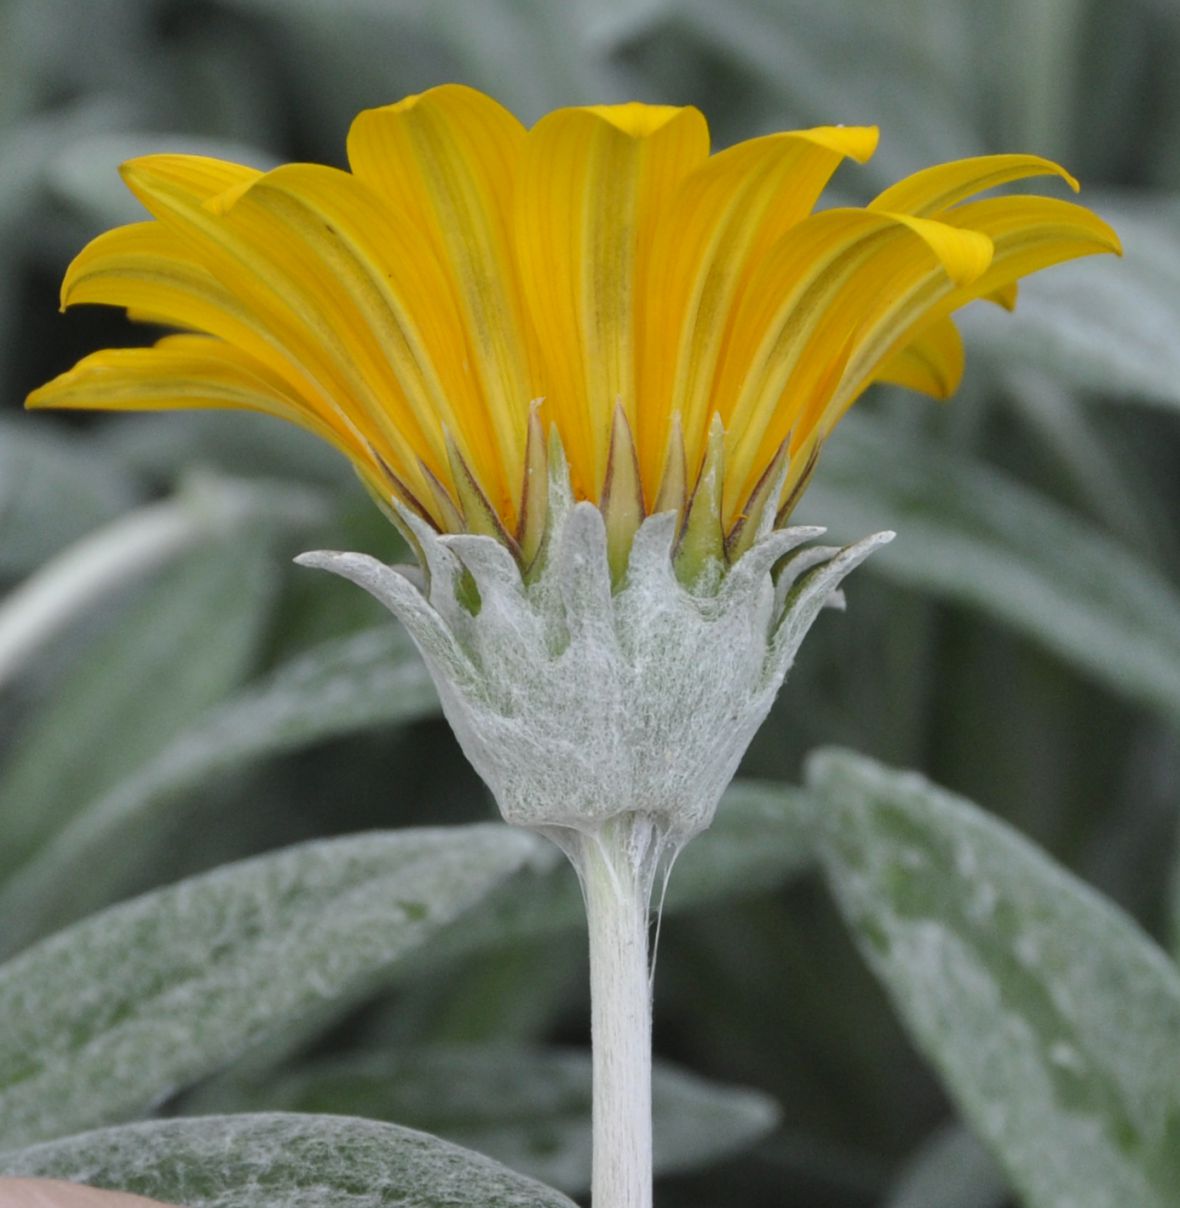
(616,867)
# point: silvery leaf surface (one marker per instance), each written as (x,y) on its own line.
(112,1015)
(278,1160)
(1053,1021)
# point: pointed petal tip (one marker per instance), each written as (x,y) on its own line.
(321,559)
(638,119)
(859,143)
(873,540)
(141,167)
(871,136)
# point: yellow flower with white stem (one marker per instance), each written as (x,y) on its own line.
(684,321)
(539,346)
(543,348)
(587,369)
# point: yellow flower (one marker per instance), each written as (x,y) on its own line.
(686,323)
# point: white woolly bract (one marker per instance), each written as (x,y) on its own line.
(576,704)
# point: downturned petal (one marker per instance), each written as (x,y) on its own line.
(933,190)
(685,330)
(593,184)
(147,268)
(1005,296)
(932,363)
(806,311)
(723,220)
(186,372)
(445,163)
(964,259)
(1031,233)
(195,178)
(1027,234)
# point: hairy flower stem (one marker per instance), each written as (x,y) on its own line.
(617,866)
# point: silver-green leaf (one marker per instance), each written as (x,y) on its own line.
(115,1013)
(345,684)
(527,1107)
(283,1161)
(1053,1020)
(132,690)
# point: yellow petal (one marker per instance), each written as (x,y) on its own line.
(804,313)
(935,189)
(363,305)
(147,269)
(721,223)
(195,178)
(932,363)
(179,373)
(1030,233)
(370,290)
(964,252)
(445,162)
(1027,234)
(1005,296)
(593,184)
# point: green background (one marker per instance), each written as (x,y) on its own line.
(1019,643)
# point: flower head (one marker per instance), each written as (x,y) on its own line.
(685,322)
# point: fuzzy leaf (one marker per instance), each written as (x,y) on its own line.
(365,679)
(1053,1020)
(134,688)
(120,1010)
(284,1161)
(528,1108)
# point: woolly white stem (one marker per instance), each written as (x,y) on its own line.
(616,867)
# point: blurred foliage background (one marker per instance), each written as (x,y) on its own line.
(1019,643)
